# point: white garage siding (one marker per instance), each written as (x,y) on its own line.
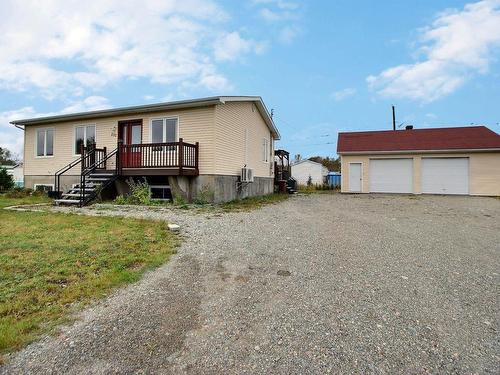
(391,175)
(445,175)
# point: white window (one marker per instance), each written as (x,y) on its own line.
(164,130)
(43,187)
(265,150)
(44,142)
(84,136)
(160,192)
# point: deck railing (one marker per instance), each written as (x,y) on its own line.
(179,155)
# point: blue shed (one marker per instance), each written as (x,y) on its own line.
(334,179)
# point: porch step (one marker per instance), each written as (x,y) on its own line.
(72,194)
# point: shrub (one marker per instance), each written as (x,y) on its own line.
(19,192)
(121,200)
(6,180)
(316,187)
(204,196)
(139,193)
(180,202)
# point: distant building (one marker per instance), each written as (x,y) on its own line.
(306,168)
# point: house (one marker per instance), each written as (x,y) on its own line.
(458,160)
(304,169)
(181,148)
(16,171)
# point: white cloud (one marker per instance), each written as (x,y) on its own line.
(285,15)
(343,94)
(280,4)
(12,138)
(457,46)
(288,34)
(61,48)
(230,46)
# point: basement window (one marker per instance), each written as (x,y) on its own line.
(43,187)
(160,192)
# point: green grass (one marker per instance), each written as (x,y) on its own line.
(34,199)
(52,264)
(317,189)
(252,203)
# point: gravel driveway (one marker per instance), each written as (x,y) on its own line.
(317,284)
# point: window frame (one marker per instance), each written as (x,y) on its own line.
(164,134)
(158,187)
(75,153)
(45,142)
(266,150)
(51,186)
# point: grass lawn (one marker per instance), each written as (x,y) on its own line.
(51,264)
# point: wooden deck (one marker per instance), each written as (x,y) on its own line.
(163,159)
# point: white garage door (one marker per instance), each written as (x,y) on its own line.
(445,175)
(391,175)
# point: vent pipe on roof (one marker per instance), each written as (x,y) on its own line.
(393,118)
(409,127)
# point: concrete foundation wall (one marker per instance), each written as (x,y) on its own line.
(222,188)
(209,188)
(66,181)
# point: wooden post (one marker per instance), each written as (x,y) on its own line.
(196,156)
(104,158)
(181,156)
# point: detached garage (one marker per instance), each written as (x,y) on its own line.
(462,160)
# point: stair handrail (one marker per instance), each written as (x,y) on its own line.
(57,175)
(85,154)
(87,171)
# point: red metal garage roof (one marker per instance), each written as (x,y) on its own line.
(458,138)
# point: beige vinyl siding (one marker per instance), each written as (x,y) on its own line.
(239,133)
(484,170)
(195,125)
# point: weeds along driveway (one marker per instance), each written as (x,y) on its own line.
(316,284)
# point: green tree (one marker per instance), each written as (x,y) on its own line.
(333,164)
(6,157)
(6,180)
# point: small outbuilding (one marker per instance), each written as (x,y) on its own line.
(459,160)
(307,170)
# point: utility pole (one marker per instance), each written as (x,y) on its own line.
(393,118)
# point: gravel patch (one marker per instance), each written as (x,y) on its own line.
(316,284)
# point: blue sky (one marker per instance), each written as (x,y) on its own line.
(323,66)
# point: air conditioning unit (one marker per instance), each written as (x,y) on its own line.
(246,174)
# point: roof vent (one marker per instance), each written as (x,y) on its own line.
(409,127)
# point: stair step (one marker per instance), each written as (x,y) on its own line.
(78,190)
(70,201)
(87,186)
(71,194)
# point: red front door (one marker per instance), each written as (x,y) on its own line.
(130,133)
